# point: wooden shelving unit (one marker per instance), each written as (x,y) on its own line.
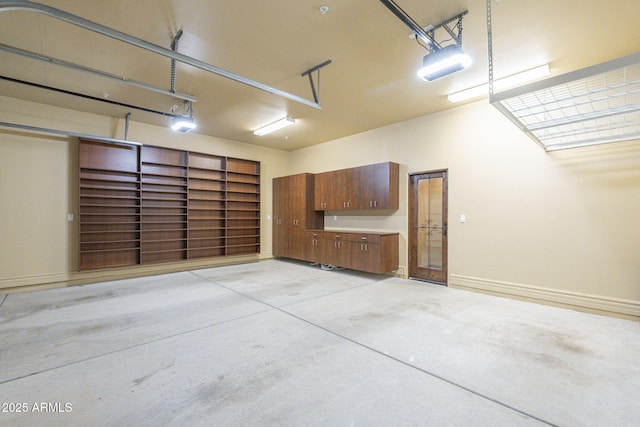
(206,216)
(163,174)
(141,205)
(109,205)
(243,207)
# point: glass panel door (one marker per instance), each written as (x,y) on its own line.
(428,226)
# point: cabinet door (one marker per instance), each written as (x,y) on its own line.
(333,190)
(312,247)
(338,250)
(344,196)
(322,191)
(365,256)
(379,186)
(280,202)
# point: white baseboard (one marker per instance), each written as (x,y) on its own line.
(71,278)
(595,303)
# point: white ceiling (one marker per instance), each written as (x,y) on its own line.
(370,83)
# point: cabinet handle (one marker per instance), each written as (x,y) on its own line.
(375,203)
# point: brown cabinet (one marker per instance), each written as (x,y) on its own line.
(372,252)
(366,187)
(298,217)
(379,186)
(292,214)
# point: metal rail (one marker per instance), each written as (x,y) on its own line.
(8,5)
(77,67)
(67,133)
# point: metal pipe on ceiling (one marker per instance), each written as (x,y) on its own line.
(67,133)
(82,95)
(77,67)
(8,5)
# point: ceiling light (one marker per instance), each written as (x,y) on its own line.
(442,62)
(183,124)
(501,84)
(272,127)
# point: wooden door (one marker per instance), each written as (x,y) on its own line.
(323,193)
(296,215)
(428,226)
(280,203)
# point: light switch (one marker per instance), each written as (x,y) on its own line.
(463,218)
(70,217)
(269,217)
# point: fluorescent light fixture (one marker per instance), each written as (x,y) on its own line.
(272,127)
(442,62)
(501,84)
(183,124)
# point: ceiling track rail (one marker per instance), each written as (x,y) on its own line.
(67,133)
(69,18)
(82,95)
(103,74)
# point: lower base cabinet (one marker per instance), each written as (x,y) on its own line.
(370,252)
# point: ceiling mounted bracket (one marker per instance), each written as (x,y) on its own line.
(426,36)
(455,31)
(308,73)
(7,5)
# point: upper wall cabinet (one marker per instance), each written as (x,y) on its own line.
(366,187)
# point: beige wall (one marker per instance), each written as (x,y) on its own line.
(38,188)
(556,227)
(561,227)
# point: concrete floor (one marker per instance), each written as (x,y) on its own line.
(282,343)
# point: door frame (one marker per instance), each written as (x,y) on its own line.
(412,231)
